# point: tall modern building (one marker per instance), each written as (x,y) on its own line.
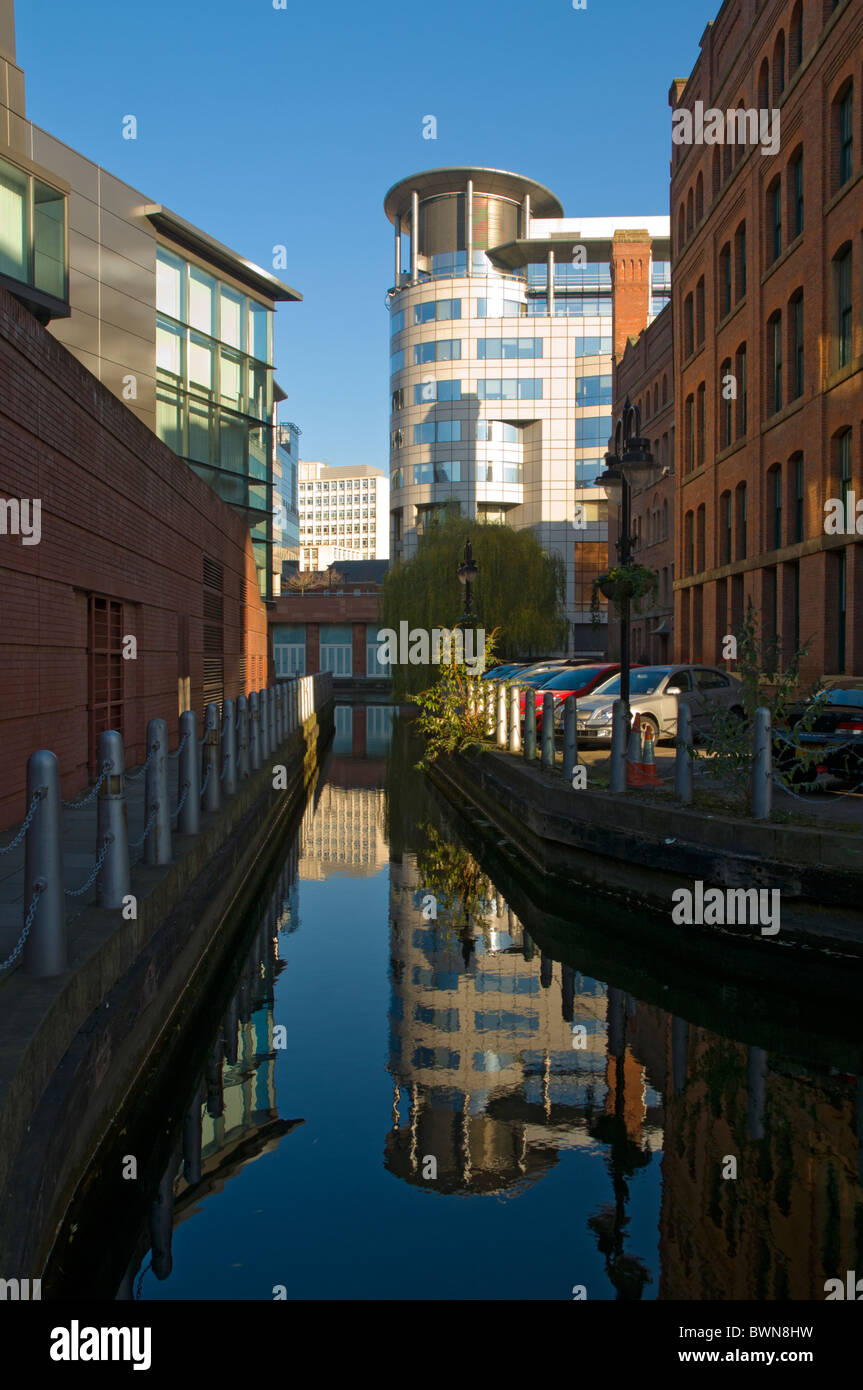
(174,323)
(501,362)
(343,514)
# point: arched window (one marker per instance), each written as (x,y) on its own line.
(717,171)
(699,198)
(795,49)
(665,390)
(665,521)
(764,86)
(681,229)
(690,204)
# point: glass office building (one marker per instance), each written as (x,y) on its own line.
(214,390)
(501,362)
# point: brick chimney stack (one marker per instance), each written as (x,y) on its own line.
(630,287)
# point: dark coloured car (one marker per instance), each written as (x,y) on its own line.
(820,743)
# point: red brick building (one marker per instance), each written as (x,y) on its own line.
(768,331)
(644,374)
(133,545)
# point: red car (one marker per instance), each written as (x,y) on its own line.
(572,680)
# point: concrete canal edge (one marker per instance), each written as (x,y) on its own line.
(72,1047)
(641,853)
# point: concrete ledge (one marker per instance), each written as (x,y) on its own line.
(72,1047)
(622,845)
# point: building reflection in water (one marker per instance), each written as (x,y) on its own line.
(503,1058)
(233,1118)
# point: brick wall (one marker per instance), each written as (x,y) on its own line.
(123,518)
(717,192)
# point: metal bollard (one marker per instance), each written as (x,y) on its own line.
(242,738)
(158,844)
(229,748)
(490,689)
(254,732)
(281,730)
(112,819)
(570,737)
(501,715)
(548,729)
(189,776)
(272,735)
(683,757)
(514,720)
(45,950)
(529,724)
(212,794)
(264,712)
(619,735)
(762,765)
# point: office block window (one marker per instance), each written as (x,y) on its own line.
(843,322)
(490,348)
(444,350)
(774,362)
(797,348)
(33,232)
(844,134)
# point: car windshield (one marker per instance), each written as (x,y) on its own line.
(573,678)
(640,683)
(844,697)
(536,678)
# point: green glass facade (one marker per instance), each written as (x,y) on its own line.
(214,391)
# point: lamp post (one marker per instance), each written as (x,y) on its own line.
(631,454)
(467,573)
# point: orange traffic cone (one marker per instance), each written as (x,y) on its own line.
(648,760)
(633,754)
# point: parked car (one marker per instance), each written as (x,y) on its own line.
(567,680)
(655,693)
(827,739)
(503,672)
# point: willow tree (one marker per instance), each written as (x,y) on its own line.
(519,591)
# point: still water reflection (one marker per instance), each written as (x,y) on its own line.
(420,1088)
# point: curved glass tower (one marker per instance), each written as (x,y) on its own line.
(500,367)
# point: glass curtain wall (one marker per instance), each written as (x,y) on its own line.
(214,391)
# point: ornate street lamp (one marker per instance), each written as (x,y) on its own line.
(631,455)
(467,573)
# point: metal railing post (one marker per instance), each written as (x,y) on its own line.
(271,720)
(254,731)
(157,849)
(548,729)
(529,724)
(514,720)
(619,736)
(242,738)
(112,819)
(762,765)
(264,713)
(212,794)
(570,737)
(501,715)
(683,756)
(189,776)
(229,748)
(45,950)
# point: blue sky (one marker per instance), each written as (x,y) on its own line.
(270,127)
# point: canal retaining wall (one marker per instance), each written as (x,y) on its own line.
(643,853)
(73,1046)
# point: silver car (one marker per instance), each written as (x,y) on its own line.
(655,693)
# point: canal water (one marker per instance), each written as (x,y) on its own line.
(426,1080)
